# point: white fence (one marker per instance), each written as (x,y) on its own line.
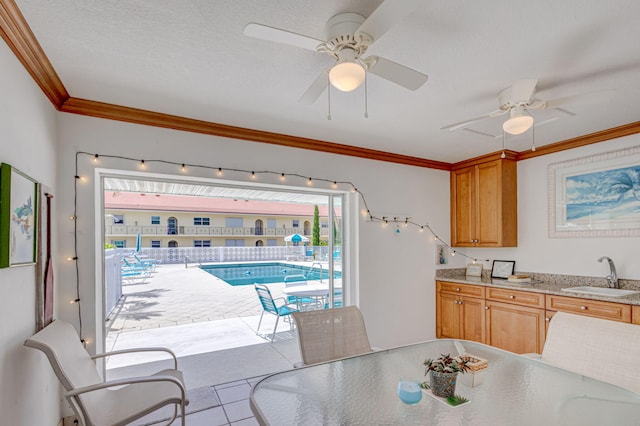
(113,260)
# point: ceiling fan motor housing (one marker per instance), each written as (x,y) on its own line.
(341,34)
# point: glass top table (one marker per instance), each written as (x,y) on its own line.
(515,390)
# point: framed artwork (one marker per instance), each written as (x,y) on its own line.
(502,268)
(596,196)
(18,214)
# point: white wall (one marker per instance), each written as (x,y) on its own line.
(537,252)
(396,271)
(28,389)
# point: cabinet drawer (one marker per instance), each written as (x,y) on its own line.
(592,308)
(462,289)
(523,298)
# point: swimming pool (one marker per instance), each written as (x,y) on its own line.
(263,273)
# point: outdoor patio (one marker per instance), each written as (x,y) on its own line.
(209,324)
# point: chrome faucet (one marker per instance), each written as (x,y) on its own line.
(612,278)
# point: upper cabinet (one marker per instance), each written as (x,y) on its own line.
(484,203)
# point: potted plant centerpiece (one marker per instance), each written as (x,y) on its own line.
(443,373)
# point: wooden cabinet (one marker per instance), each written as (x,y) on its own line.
(635,315)
(460,311)
(484,204)
(593,308)
(515,320)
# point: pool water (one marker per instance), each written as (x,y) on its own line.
(264,273)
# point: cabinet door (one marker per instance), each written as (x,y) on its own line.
(447,316)
(488,199)
(472,319)
(463,207)
(515,328)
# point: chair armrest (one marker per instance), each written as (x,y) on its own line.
(133,350)
(129,381)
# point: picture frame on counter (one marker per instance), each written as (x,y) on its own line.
(474,270)
(502,268)
(594,196)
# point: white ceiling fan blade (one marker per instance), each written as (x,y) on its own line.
(265,32)
(387,15)
(396,73)
(601,96)
(462,124)
(523,90)
(316,89)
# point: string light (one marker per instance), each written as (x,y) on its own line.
(220,171)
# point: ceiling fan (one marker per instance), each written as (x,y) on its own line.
(520,98)
(349,35)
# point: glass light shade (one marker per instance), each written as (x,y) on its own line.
(518,124)
(347,76)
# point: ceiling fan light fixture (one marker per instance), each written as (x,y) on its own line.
(347,76)
(519,123)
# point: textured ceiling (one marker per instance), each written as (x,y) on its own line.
(191,59)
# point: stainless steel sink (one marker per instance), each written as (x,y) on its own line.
(601,291)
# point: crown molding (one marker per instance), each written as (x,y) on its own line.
(156,119)
(601,136)
(18,35)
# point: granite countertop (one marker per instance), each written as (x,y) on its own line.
(550,284)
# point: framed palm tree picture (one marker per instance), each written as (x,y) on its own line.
(18,214)
(596,196)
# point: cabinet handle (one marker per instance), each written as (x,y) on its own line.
(460,302)
(486,308)
(547,319)
(583,308)
(512,297)
(458,289)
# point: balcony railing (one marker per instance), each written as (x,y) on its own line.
(214,231)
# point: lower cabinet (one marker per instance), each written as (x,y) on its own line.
(513,320)
(518,329)
(460,311)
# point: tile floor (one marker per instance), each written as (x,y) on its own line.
(212,329)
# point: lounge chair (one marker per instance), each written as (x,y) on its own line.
(116,402)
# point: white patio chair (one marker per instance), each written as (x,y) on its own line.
(330,334)
(116,402)
(601,349)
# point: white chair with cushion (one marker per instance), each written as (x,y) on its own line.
(601,349)
(330,334)
(95,401)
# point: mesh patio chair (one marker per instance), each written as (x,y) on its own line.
(601,349)
(330,334)
(116,402)
(269,304)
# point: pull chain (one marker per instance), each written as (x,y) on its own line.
(329,96)
(503,153)
(533,138)
(366,101)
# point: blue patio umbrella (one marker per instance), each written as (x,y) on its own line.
(138,242)
(296,238)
